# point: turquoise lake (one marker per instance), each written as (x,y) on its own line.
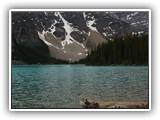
(63,86)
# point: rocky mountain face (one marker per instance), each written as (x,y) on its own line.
(69,36)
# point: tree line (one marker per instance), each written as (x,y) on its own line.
(128,50)
(34,55)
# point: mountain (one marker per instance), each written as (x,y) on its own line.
(53,37)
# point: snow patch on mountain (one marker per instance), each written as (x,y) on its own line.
(42,37)
(46,13)
(133,23)
(79,53)
(69,49)
(140,32)
(104,34)
(69,29)
(89,23)
(84,15)
(129,17)
(133,14)
(56,14)
(110,23)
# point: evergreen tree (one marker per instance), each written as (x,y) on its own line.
(130,50)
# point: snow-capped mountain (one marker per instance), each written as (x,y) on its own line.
(70,36)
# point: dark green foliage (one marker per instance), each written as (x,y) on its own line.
(130,50)
(31,55)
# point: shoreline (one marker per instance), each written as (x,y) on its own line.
(88,103)
(73,65)
(20,63)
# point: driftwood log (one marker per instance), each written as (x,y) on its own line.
(87,103)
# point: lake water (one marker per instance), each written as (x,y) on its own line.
(63,86)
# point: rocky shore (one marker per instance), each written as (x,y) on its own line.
(87,103)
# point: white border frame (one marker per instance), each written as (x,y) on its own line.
(76,10)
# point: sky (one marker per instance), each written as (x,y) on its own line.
(112,4)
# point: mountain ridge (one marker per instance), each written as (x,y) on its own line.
(70,36)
